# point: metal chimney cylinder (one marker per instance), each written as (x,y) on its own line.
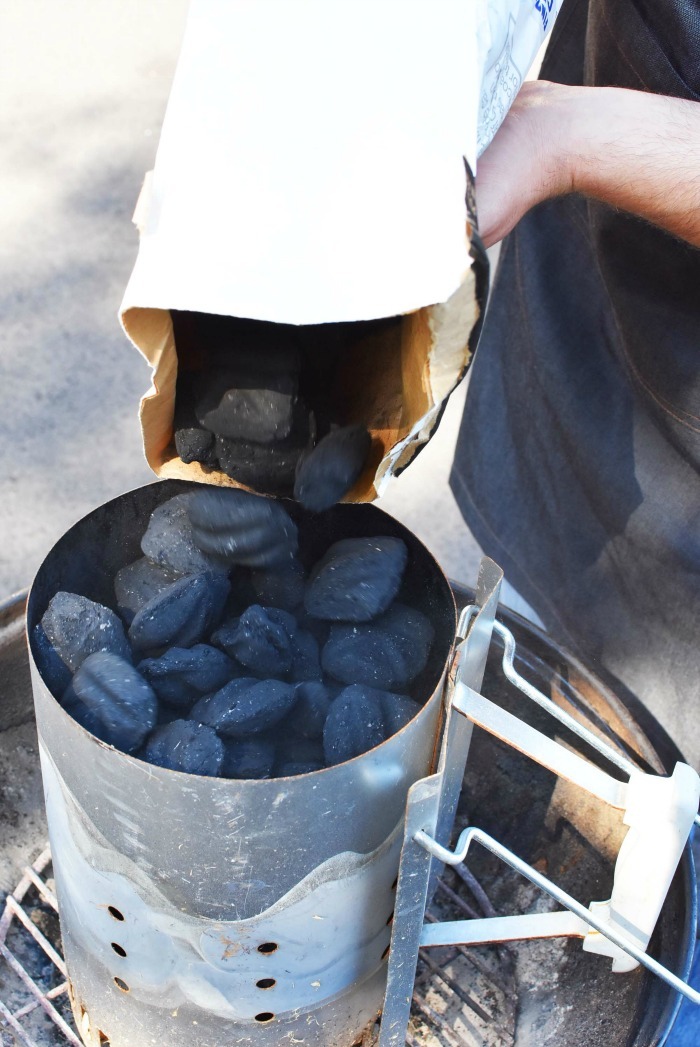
(199,912)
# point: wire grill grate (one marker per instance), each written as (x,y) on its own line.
(38,986)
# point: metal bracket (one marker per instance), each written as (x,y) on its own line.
(577,922)
(659,813)
(469,665)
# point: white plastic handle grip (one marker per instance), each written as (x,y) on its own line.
(660,813)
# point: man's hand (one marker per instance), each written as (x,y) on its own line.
(633,150)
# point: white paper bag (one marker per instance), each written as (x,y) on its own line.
(315,166)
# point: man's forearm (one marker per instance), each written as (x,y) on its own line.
(639,152)
(633,150)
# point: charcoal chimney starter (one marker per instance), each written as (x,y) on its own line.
(200,911)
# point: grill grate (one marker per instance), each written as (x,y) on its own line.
(463,998)
(39,986)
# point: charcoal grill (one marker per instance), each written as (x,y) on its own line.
(469,996)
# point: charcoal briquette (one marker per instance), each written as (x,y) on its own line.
(262,640)
(296,749)
(55,673)
(357,579)
(282,588)
(224,636)
(245,707)
(181,615)
(243,528)
(241,595)
(355,724)
(248,759)
(167,713)
(139,582)
(398,710)
(185,745)
(326,474)
(118,697)
(387,653)
(306,657)
(77,627)
(169,540)
(83,715)
(296,755)
(182,675)
(313,700)
(268,468)
(412,626)
(240,404)
(195,445)
(318,628)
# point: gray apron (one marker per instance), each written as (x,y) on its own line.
(577,462)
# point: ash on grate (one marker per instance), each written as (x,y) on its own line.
(462,997)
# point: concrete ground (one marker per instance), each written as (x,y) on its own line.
(83,90)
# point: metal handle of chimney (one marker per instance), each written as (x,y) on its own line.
(659,812)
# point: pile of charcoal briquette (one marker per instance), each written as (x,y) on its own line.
(227,657)
(255,413)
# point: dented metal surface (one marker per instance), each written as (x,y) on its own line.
(311,949)
(182,898)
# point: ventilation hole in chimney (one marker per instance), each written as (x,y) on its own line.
(121,984)
(264,1016)
(268,947)
(389,919)
(113,911)
(119,949)
(386,952)
(395,884)
(266,983)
